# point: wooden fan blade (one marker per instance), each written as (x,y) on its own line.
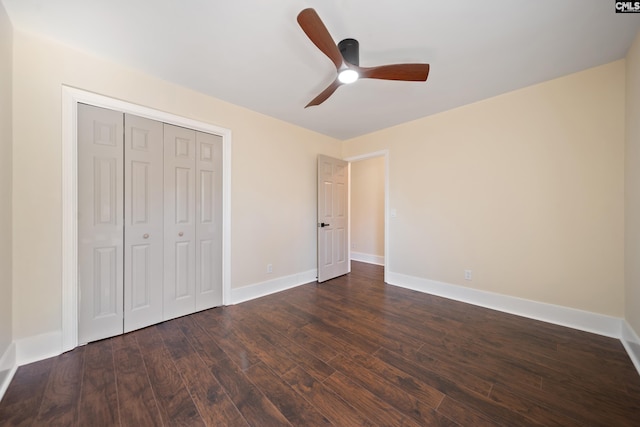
(314,28)
(325,94)
(407,72)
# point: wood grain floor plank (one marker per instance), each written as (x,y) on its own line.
(607,394)
(59,405)
(374,330)
(21,403)
(99,397)
(309,314)
(339,339)
(409,383)
(591,360)
(376,409)
(579,407)
(532,410)
(466,416)
(250,401)
(633,386)
(389,320)
(276,357)
(427,371)
(227,340)
(136,400)
(452,352)
(294,407)
(573,374)
(256,409)
(495,334)
(281,320)
(214,406)
(202,343)
(174,400)
(339,412)
(279,352)
(421,411)
(461,392)
(321,347)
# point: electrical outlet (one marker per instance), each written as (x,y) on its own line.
(269,268)
(467,275)
(353,246)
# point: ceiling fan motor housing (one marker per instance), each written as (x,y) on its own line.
(350,50)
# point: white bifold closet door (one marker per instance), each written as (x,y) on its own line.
(150,229)
(100,223)
(143,222)
(192,222)
(179,221)
(208,220)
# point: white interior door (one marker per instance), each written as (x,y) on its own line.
(100,223)
(333,219)
(143,217)
(179,221)
(208,221)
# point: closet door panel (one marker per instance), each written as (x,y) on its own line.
(179,221)
(144,222)
(100,225)
(208,221)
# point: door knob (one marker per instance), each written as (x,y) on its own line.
(145,236)
(323,224)
(181,234)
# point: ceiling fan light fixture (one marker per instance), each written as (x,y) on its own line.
(346,57)
(348,76)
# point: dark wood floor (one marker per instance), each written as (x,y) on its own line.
(349,352)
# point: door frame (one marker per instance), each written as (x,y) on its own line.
(382,153)
(70,99)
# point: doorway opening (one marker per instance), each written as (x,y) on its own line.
(369,208)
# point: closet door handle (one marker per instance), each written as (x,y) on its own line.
(145,236)
(181,234)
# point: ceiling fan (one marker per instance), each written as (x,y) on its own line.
(345,56)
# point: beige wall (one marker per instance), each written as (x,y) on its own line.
(273,174)
(6,61)
(367,206)
(525,189)
(632,188)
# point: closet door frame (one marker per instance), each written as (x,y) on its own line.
(71,97)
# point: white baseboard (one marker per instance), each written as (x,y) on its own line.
(577,319)
(631,343)
(368,258)
(262,289)
(39,347)
(8,367)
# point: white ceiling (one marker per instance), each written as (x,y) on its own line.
(253,53)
